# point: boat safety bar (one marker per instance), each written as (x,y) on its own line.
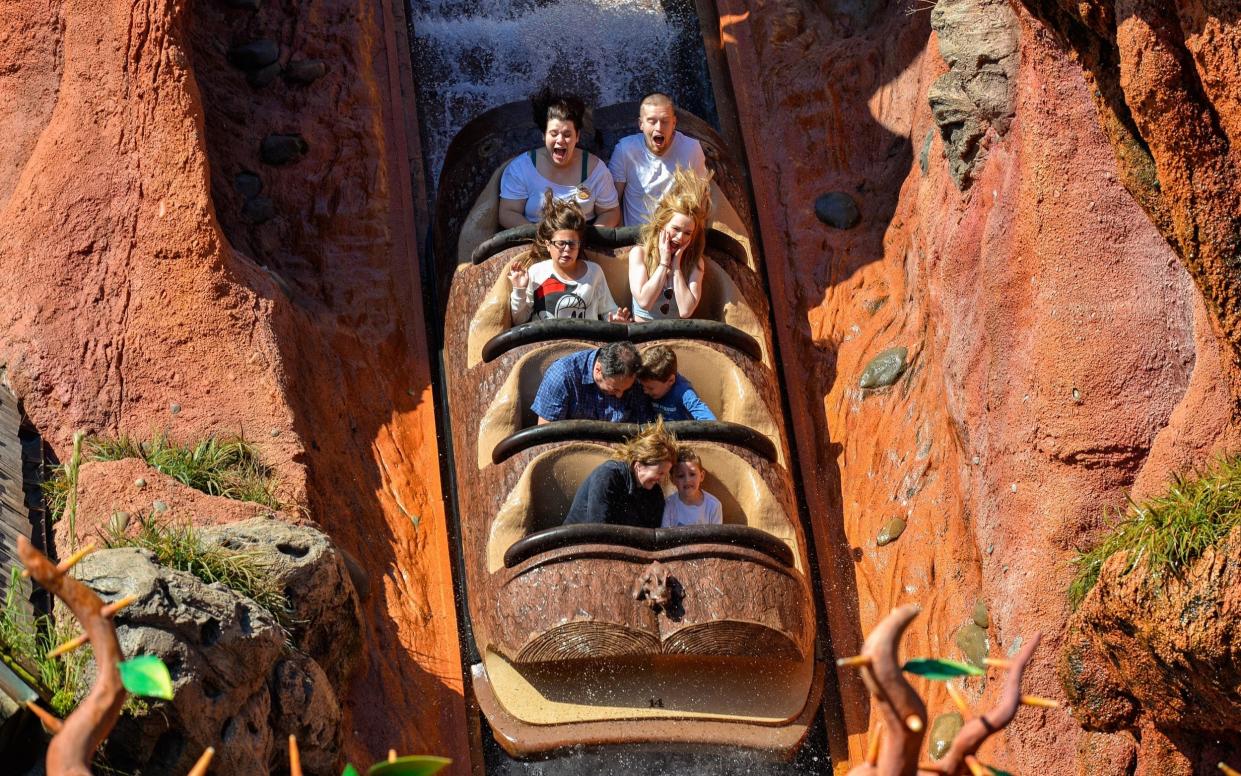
(604,331)
(604,431)
(602,237)
(647,539)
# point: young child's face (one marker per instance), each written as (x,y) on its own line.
(657,389)
(688,478)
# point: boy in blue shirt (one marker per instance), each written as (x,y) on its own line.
(670,394)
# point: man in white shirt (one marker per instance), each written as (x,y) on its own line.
(642,164)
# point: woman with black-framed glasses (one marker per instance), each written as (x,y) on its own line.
(551,281)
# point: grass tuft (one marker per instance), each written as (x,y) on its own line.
(26,639)
(180,547)
(219,466)
(1168,531)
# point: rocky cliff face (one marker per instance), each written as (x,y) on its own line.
(1056,352)
(205,228)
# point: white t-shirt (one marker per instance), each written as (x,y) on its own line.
(548,296)
(522,180)
(677,512)
(647,176)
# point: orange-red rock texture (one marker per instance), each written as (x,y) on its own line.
(1059,352)
(129,283)
(1048,219)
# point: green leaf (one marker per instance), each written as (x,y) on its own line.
(940,670)
(414,765)
(997,771)
(349,770)
(146,675)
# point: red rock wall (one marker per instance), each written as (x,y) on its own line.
(1058,351)
(129,283)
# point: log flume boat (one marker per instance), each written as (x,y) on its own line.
(566,656)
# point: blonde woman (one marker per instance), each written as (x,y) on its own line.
(626,490)
(666,266)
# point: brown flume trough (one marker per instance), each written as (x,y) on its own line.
(566,654)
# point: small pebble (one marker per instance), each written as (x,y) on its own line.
(275,432)
(972,641)
(260,78)
(883,369)
(890,532)
(980,616)
(837,209)
(140,483)
(174,408)
(159,506)
(255,55)
(248,184)
(279,149)
(258,210)
(118,522)
(305,71)
(943,730)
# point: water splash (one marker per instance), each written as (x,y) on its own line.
(469,57)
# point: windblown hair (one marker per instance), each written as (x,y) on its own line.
(652,445)
(689,195)
(558,215)
(686,454)
(563,107)
(659,362)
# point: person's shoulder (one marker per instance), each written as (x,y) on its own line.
(710,500)
(520,164)
(682,384)
(629,143)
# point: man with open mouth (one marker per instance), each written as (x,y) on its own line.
(642,164)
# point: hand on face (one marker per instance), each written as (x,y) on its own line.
(517,275)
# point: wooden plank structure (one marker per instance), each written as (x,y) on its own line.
(21,458)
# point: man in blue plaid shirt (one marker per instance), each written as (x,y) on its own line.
(592,385)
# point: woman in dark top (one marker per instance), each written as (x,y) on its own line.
(626,490)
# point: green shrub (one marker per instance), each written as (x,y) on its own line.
(26,639)
(220,466)
(1170,530)
(180,547)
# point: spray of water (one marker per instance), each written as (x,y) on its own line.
(470,57)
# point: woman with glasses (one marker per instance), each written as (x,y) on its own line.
(550,281)
(569,172)
(666,266)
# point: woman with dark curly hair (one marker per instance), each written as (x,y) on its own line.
(570,173)
(551,281)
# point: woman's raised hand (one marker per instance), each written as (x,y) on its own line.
(517,275)
(622,315)
(665,248)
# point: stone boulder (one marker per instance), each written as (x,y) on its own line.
(1163,656)
(326,620)
(240,686)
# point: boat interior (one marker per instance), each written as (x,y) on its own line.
(600,634)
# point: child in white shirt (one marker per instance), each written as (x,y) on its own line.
(690,505)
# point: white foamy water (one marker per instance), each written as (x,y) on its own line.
(470,57)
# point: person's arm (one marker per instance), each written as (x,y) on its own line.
(696,407)
(646,289)
(551,400)
(521,299)
(616,166)
(513,194)
(688,291)
(715,512)
(616,507)
(607,202)
(512,213)
(670,514)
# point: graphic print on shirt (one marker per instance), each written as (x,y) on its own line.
(553,298)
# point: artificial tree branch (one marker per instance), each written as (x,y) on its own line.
(81,733)
(972,735)
(904,713)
